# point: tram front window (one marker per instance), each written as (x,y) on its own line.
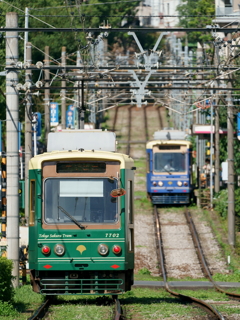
(86,200)
(169,162)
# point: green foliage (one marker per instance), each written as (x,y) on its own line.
(232,277)
(220,203)
(195,14)
(144,271)
(6,289)
(237,202)
(7,309)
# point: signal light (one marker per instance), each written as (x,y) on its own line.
(46,250)
(208,148)
(116,249)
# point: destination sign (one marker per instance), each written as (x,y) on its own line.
(81,167)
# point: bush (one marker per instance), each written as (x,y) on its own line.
(221,202)
(6,309)
(6,288)
(237,202)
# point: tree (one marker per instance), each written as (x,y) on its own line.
(196,14)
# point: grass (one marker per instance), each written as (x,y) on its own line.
(219,228)
(81,307)
(142,205)
(158,304)
(141,303)
(25,301)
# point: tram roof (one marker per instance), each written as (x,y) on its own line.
(152,143)
(125,161)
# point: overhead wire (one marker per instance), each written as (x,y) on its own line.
(28,14)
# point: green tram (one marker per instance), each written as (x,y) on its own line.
(81,236)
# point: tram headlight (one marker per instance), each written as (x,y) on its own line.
(154,183)
(179,183)
(103,249)
(116,249)
(59,249)
(160,183)
(185,183)
(46,250)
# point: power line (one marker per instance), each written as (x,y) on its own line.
(86,4)
(123,29)
(134,16)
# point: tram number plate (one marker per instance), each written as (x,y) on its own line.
(111,235)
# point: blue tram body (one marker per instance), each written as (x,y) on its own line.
(169,172)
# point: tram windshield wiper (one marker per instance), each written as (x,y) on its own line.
(167,171)
(72,218)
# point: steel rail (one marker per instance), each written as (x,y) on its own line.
(202,259)
(129,130)
(115,119)
(145,122)
(200,303)
(118,310)
(160,117)
(41,311)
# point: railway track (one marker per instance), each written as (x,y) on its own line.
(200,303)
(202,258)
(137,129)
(42,311)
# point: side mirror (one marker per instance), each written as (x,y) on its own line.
(117,192)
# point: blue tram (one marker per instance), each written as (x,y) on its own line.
(169,168)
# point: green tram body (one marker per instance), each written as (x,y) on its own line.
(81,269)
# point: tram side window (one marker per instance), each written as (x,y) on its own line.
(130,215)
(148,162)
(32,202)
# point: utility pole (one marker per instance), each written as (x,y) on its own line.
(12,117)
(231,196)
(217,137)
(47,93)
(26,33)
(28,127)
(80,105)
(217,148)
(82,114)
(63,105)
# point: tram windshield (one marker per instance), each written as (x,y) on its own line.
(169,162)
(85,200)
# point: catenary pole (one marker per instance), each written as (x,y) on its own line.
(26,33)
(47,94)
(28,128)
(217,136)
(231,198)
(12,117)
(217,148)
(63,91)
